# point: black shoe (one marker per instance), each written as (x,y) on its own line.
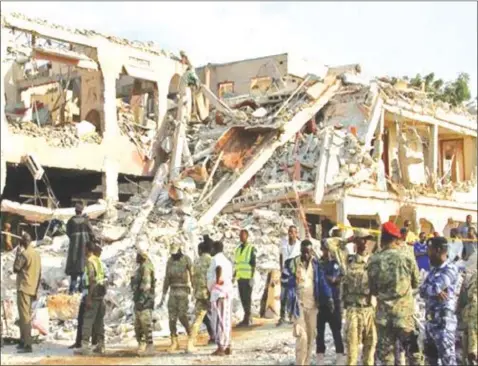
(75,346)
(27,349)
(281,322)
(20,346)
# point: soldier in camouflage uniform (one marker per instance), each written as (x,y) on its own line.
(177,279)
(201,293)
(440,295)
(143,285)
(358,303)
(468,312)
(392,275)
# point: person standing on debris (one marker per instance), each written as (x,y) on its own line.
(360,316)
(27,267)
(440,295)
(201,292)
(244,269)
(290,248)
(455,246)
(392,275)
(312,290)
(81,312)
(95,307)
(420,249)
(80,232)
(468,312)
(219,283)
(333,275)
(143,285)
(178,275)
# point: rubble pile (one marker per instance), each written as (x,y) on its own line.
(65,136)
(143,136)
(418,101)
(164,228)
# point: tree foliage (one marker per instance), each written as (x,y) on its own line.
(454,92)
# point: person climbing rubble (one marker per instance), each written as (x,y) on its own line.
(290,248)
(143,285)
(312,289)
(244,270)
(357,300)
(177,279)
(468,313)
(95,307)
(219,283)
(7,238)
(392,275)
(27,267)
(81,312)
(80,232)
(440,295)
(201,292)
(333,275)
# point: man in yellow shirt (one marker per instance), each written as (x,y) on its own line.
(410,238)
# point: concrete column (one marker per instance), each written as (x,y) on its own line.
(434,153)
(111,129)
(342,218)
(110,181)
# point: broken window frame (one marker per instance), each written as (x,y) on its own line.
(222,85)
(452,174)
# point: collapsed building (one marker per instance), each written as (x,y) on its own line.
(322,147)
(83,102)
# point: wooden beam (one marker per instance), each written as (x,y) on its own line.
(230,189)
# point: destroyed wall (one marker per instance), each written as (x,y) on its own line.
(242,72)
(116,150)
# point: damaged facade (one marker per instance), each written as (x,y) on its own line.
(82,101)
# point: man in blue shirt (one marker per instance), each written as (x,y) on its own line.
(333,275)
(440,295)
(421,252)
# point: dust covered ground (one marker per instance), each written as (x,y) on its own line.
(262,344)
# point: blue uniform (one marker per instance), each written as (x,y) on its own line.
(441,321)
(423,262)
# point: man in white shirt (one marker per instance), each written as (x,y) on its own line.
(455,247)
(221,299)
(290,248)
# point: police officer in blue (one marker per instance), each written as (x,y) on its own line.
(440,295)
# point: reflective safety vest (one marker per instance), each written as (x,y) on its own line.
(242,261)
(99,272)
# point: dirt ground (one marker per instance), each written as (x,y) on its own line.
(260,344)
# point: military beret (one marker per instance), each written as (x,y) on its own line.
(391,229)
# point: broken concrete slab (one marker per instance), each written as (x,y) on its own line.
(230,189)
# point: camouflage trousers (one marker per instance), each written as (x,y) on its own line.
(143,326)
(178,304)
(94,319)
(360,330)
(470,344)
(387,337)
(201,308)
(440,342)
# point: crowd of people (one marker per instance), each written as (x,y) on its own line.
(369,279)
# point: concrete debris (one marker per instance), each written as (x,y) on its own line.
(65,136)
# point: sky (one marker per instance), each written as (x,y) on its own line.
(386,38)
